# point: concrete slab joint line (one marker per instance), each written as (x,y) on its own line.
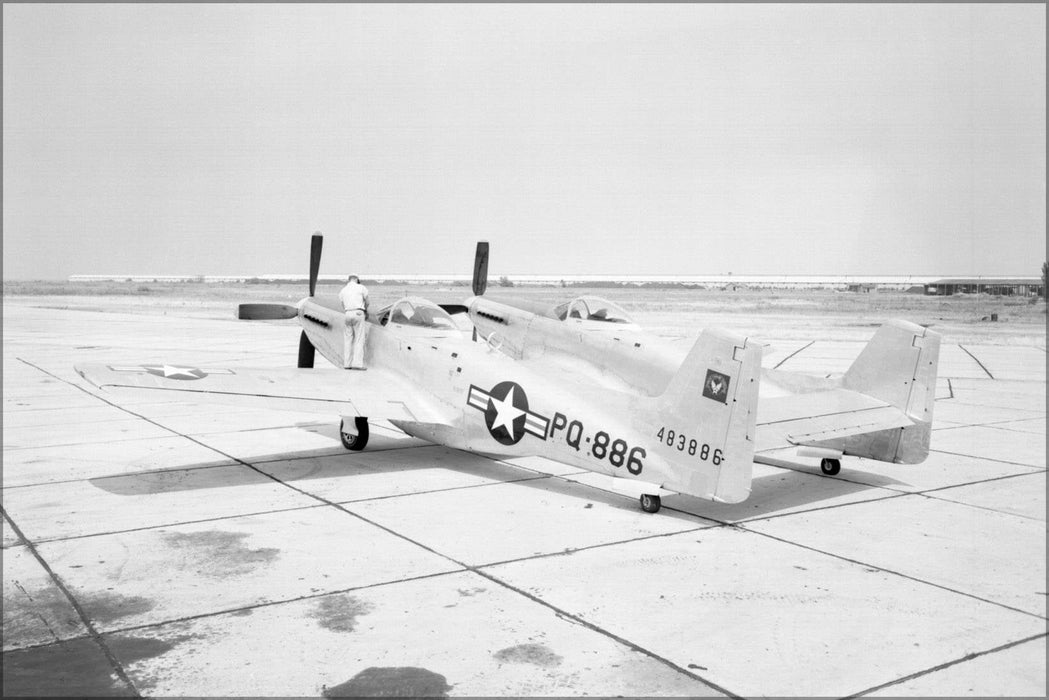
(93,633)
(875,567)
(804,347)
(589,625)
(976,359)
(948,664)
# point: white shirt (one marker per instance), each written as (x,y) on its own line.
(354,296)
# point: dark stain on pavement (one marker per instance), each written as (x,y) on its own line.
(535,654)
(129,649)
(106,606)
(392,682)
(224,552)
(76,668)
(27,610)
(339,613)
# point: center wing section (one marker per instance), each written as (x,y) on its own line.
(377,393)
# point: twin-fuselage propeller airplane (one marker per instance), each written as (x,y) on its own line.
(614,404)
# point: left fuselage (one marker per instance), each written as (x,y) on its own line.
(484,401)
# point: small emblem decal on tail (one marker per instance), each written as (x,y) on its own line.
(716,386)
(506,413)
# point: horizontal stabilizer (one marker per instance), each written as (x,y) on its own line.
(266,312)
(859,423)
(804,419)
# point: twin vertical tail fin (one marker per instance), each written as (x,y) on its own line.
(898,366)
(707,418)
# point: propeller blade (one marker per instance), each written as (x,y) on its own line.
(306,352)
(316,243)
(266,312)
(480,282)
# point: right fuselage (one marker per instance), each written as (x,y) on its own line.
(619,355)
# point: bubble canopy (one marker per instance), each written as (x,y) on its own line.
(418,313)
(589,308)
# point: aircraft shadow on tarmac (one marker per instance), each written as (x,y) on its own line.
(866,477)
(773,494)
(792,489)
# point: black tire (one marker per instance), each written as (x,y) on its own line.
(355,442)
(649,503)
(830,467)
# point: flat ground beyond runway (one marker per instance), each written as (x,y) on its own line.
(181,550)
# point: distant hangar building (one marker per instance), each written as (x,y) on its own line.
(1003,286)
(1006,286)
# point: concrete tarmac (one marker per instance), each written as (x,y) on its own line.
(154,548)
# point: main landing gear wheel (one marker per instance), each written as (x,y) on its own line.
(830,467)
(354,442)
(650,504)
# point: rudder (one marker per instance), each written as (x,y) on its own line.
(899,366)
(710,405)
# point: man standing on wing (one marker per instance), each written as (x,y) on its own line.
(354,298)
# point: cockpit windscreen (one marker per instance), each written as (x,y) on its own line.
(593,309)
(421,314)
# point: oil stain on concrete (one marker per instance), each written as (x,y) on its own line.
(392,682)
(29,612)
(76,668)
(535,654)
(107,606)
(224,552)
(339,613)
(129,649)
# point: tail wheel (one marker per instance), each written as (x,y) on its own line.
(649,503)
(354,442)
(830,467)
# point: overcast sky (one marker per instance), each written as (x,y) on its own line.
(675,139)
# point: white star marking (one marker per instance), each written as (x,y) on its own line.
(506,412)
(171,371)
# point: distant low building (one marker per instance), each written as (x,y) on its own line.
(1022,286)
(1002,286)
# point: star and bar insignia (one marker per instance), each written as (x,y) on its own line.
(170,371)
(506,413)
